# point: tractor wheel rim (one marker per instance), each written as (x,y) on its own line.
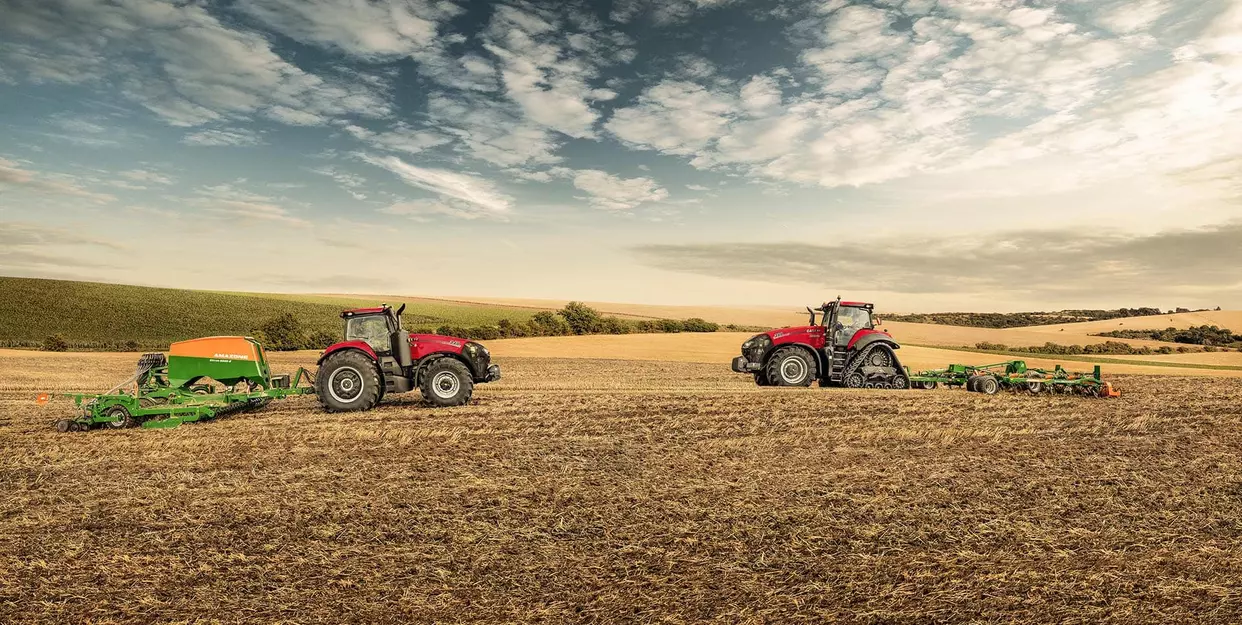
(345,385)
(445,384)
(793,369)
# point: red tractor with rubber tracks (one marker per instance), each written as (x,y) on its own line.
(378,357)
(843,349)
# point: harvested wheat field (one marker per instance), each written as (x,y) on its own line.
(626,491)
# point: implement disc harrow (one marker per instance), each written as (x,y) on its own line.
(1014,376)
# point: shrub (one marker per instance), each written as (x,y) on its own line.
(283,333)
(694,324)
(582,319)
(545,323)
(1165,349)
(508,329)
(131,346)
(613,325)
(55,343)
(669,325)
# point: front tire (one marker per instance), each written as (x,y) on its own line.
(447,382)
(791,366)
(348,381)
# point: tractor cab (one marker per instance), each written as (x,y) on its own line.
(377,327)
(381,329)
(844,319)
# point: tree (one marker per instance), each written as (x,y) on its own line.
(283,333)
(55,343)
(582,319)
(544,323)
(613,325)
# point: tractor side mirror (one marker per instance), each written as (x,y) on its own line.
(878,321)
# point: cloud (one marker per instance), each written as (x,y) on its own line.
(367,29)
(662,12)
(223,137)
(464,192)
(12,176)
(21,234)
(615,193)
(400,138)
(350,183)
(1060,265)
(884,94)
(422,210)
(144,175)
(231,201)
(178,60)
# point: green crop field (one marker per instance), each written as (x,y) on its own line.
(104,316)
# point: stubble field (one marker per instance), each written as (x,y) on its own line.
(623,491)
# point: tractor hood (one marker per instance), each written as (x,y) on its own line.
(796,334)
(450,342)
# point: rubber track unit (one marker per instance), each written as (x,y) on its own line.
(856,363)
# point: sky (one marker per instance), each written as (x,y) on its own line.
(922,154)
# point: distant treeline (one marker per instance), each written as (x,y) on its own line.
(1107,347)
(1202,335)
(1026,319)
(577,318)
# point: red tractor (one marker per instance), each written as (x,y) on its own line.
(843,349)
(377,357)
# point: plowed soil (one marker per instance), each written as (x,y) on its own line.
(623,491)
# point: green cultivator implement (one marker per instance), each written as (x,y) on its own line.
(1014,376)
(199,379)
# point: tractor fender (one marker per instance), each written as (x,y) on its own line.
(361,346)
(818,355)
(863,338)
(434,356)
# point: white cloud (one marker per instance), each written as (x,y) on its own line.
(177,60)
(228,200)
(698,187)
(615,193)
(144,175)
(883,95)
(423,210)
(222,137)
(350,183)
(463,191)
(675,117)
(379,29)
(14,177)
(401,138)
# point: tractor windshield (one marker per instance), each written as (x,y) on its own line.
(372,328)
(852,320)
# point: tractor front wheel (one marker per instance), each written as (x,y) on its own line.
(348,381)
(791,366)
(447,382)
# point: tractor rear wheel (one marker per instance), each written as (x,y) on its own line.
(447,382)
(348,381)
(791,366)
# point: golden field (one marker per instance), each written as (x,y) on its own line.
(580,490)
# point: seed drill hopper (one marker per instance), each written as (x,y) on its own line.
(1014,375)
(166,391)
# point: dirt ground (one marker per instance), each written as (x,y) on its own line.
(625,491)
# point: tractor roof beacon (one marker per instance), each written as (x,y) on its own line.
(841,348)
(377,356)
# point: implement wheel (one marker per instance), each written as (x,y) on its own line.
(791,366)
(348,381)
(447,382)
(987,385)
(124,421)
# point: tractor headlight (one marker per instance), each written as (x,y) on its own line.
(754,348)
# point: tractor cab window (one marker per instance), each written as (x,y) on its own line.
(852,320)
(372,329)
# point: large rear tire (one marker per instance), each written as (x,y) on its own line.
(447,382)
(791,366)
(348,381)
